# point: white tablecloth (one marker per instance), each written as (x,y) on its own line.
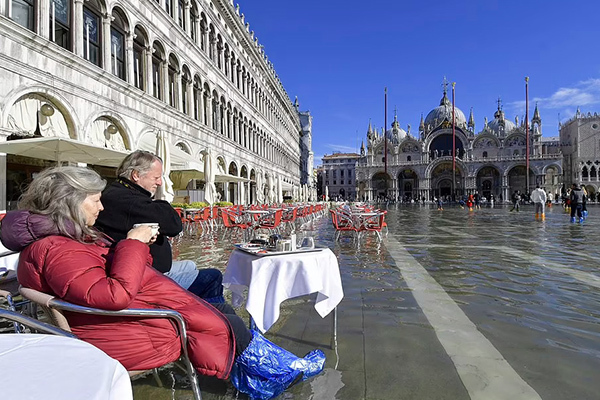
(275,278)
(59,368)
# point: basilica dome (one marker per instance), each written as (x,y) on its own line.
(396,134)
(444,113)
(500,125)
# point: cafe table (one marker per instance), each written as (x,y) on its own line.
(272,278)
(36,366)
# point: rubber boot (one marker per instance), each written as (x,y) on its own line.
(573,219)
(537,216)
(585,214)
(543,217)
(264,370)
(581,219)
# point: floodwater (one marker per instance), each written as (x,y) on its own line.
(451,304)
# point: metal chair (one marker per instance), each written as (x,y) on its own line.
(54,309)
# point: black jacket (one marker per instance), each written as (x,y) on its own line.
(577,196)
(125,204)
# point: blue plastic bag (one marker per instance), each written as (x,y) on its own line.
(264,370)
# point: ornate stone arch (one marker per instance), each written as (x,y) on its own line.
(96,122)
(33,98)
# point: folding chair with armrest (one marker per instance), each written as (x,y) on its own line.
(54,308)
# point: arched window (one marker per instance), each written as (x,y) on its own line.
(194,23)
(60,23)
(23,13)
(92,37)
(186,85)
(157,56)
(485,154)
(593,173)
(181,14)
(197,94)
(139,63)
(117,44)
(584,173)
(408,158)
(172,89)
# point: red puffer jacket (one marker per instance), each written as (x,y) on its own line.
(94,275)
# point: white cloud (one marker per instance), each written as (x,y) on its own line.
(582,94)
(343,149)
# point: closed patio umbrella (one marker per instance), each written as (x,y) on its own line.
(210,190)
(165,191)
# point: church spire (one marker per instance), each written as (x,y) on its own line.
(370,130)
(499,114)
(422,124)
(536,115)
(471,123)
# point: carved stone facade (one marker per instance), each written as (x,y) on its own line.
(113,72)
(490,162)
(580,143)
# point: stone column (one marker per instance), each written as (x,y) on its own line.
(78,28)
(187,17)
(106,46)
(43,19)
(201,105)
(178,96)
(190,98)
(130,70)
(208,105)
(229,123)
(148,75)
(164,81)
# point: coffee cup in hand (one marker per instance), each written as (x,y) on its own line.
(152,225)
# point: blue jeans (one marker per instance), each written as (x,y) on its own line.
(208,285)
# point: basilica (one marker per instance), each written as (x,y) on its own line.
(491,161)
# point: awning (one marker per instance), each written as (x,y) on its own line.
(286,187)
(230,178)
(63,149)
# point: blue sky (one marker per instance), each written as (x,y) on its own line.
(338,56)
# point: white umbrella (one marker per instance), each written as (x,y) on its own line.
(326,193)
(271,191)
(61,149)
(210,190)
(279,190)
(259,188)
(165,191)
(294,193)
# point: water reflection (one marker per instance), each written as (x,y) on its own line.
(507,272)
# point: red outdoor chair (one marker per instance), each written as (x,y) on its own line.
(341,223)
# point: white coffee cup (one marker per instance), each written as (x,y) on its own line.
(153,225)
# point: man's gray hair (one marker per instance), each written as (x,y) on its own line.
(58,192)
(140,161)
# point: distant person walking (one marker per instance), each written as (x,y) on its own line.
(538,196)
(440,203)
(577,199)
(584,211)
(491,200)
(516,198)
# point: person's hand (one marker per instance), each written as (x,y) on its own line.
(142,233)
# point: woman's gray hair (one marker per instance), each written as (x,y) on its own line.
(140,161)
(58,192)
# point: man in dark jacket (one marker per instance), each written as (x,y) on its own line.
(128,201)
(577,200)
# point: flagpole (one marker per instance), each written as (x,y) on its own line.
(453,145)
(384,130)
(527,133)
(385,140)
